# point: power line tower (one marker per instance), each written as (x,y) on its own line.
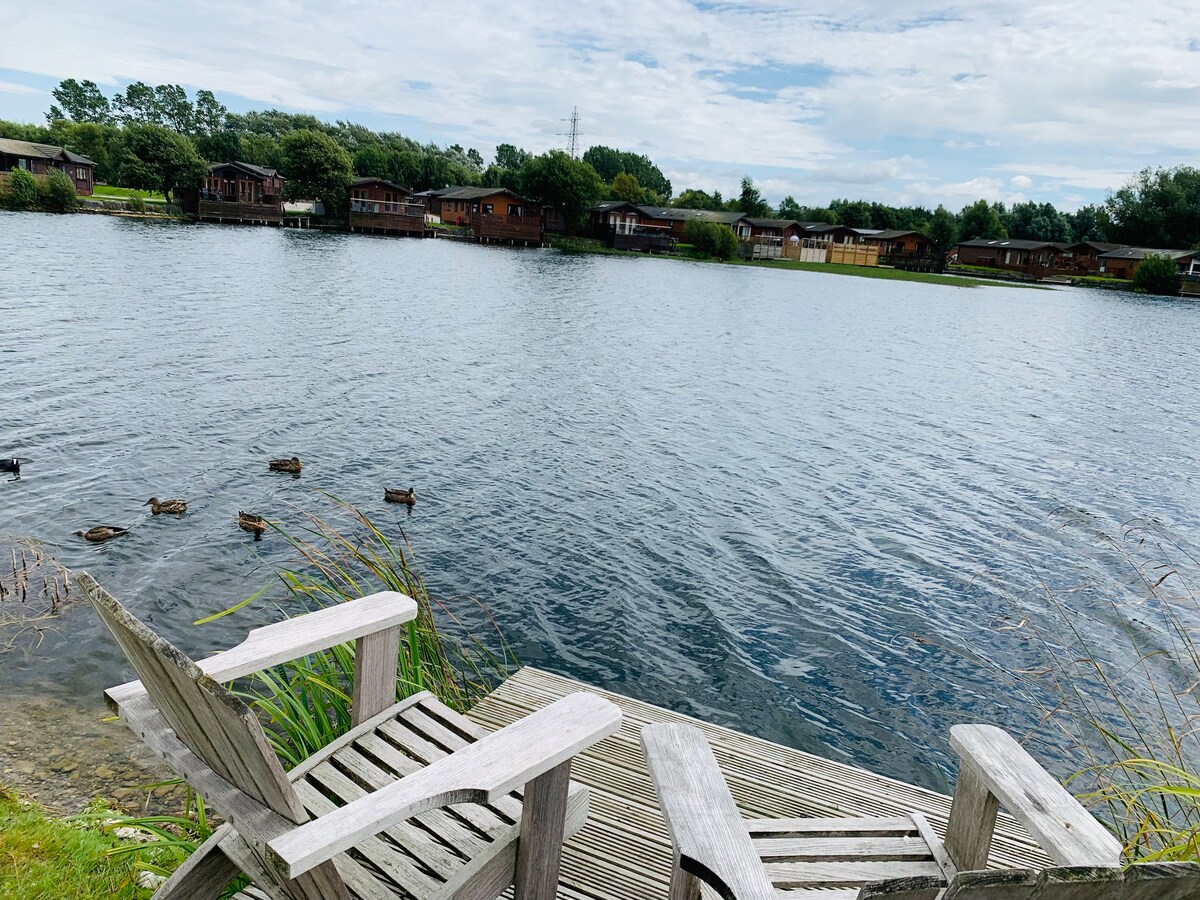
(572,135)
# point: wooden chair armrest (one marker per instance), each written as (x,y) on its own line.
(479,773)
(709,834)
(996,768)
(292,638)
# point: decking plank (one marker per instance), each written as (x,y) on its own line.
(623,851)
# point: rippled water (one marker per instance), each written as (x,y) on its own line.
(735,492)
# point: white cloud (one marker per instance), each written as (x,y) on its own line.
(11,87)
(960,86)
(1021,182)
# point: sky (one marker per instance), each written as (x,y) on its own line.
(896,102)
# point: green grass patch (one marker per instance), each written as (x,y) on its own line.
(44,858)
(108,192)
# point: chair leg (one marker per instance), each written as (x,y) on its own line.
(204,875)
(684,885)
(543,827)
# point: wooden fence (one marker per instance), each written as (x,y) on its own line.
(854,254)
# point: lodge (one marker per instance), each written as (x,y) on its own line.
(1027,257)
(237,192)
(1123,262)
(39,160)
(493,214)
(905,249)
(379,206)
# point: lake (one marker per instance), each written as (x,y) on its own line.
(794,503)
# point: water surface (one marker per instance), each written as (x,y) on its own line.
(735,492)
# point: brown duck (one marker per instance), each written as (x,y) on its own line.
(397,495)
(256,525)
(176,507)
(292,465)
(102,533)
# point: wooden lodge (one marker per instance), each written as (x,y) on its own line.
(1124,261)
(39,160)
(494,214)
(904,249)
(1033,258)
(1084,257)
(239,193)
(622,226)
(835,234)
(378,206)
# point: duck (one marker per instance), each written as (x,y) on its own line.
(100,533)
(12,464)
(399,495)
(178,507)
(256,525)
(292,465)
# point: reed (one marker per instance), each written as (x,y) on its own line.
(1126,703)
(305,704)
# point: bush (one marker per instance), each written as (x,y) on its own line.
(59,192)
(711,238)
(1157,274)
(22,190)
(136,202)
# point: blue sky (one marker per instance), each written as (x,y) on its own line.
(941,102)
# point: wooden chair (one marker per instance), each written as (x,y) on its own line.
(898,857)
(416,801)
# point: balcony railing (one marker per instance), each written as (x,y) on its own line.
(386,208)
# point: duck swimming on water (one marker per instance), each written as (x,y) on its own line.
(102,533)
(292,465)
(12,464)
(177,507)
(398,495)
(256,525)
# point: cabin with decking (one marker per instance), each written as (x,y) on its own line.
(39,160)
(1124,261)
(623,226)
(904,249)
(237,193)
(1034,258)
(1085,255)
(833,234)
(378,206)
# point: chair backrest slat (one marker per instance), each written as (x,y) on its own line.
(218,728)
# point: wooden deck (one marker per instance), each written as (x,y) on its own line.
(240,213)
(623,852)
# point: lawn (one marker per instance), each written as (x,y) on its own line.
(43,858)
(108,192)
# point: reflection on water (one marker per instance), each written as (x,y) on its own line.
(730,491)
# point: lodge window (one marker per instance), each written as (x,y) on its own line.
(488,209)
(81,174)
(24,164)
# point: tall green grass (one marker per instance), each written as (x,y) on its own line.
(305,704)
(1113,671)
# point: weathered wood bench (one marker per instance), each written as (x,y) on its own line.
(895,857)
(415,801)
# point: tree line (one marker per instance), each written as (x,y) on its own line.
(160,138)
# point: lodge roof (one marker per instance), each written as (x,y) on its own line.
(367,179)
(676,214)
(1097,245)
(43,151)
(458,192)
(1012,244)
(260,171)
(890,234)
(1143,252)
(772,223)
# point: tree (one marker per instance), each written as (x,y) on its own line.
(138,104)
(174,108)
(711,238)
(943,231)
(1157,274)
(60,192)
(980,220)
(852,213)
(81,101)
(221,146)
(153,158)
(210,115)
(751,202)
(626,187)
(316,167)
(570,186)
(697,199)
(509,157)
(1090,223)
(259,149)
(790,209)
(1037,222)
(373,161)
(22,190)
(90,139)
(609,163)
(475,158)
(1158,208)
